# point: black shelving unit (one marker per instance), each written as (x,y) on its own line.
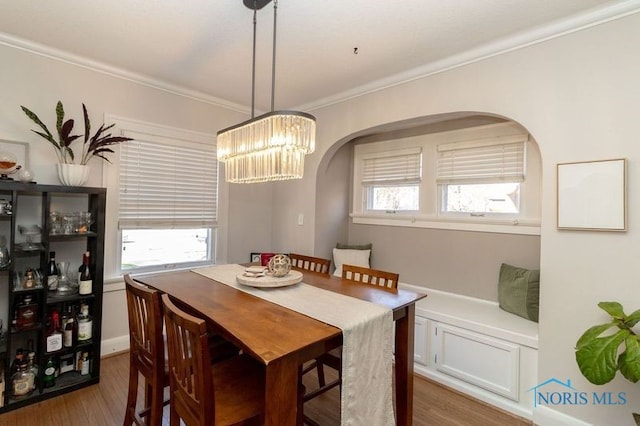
(32,205)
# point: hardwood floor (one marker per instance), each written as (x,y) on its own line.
(103,405)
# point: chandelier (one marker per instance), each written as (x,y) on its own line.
(272,146)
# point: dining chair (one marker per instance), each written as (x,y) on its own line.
(146,354)
(310,263)
(206,394)
(333,358)
(370,276)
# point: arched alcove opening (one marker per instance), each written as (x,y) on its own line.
(449,258)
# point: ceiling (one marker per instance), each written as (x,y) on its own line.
(327,50)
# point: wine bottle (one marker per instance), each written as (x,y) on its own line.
(70,329)
(54,334)
(52,272)
(85,283)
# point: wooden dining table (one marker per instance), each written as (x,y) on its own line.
(283,339)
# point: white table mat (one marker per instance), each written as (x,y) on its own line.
(367,342)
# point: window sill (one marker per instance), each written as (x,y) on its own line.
(521,227)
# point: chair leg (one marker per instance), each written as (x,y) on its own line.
(174,419)
(132,396)
(157,396)
(320,368)
(300,405)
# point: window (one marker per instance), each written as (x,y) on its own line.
(167,203)
(481,177)
(391,181)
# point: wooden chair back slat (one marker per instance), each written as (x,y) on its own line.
(370,276)
(310,263)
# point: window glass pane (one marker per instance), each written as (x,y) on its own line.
(482,198)
(143,248)
(404,197)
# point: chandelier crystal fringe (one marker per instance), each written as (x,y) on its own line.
(267,148)
(272,146)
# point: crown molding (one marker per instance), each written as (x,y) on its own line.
(110,70)
(522,40)
(518,41)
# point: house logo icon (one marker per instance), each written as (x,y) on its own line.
(556,392)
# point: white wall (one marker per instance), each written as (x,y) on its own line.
(578,95)
(38,82)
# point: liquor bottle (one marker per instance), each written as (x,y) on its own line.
(54,334)
(49,377)
(22,381)
(33,368)
(85,283)
(85,324)
(86,364)
(16,361)
(70,329)
(26,313)
(52,272)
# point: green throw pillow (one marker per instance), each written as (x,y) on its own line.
(519,291)
(354,246)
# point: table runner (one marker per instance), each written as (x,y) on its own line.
(366,394)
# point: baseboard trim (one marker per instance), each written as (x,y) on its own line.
(114,345)
(545,416)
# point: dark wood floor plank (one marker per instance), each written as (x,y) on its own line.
(103,405)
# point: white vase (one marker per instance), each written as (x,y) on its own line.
(73,174)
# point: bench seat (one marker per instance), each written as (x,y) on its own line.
(475,347)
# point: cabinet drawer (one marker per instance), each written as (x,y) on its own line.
(478,359)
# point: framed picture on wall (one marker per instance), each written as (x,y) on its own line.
(592,195)
(19,149)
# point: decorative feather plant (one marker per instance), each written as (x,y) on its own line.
(95,146)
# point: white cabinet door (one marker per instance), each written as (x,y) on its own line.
(481,360)
(420,354)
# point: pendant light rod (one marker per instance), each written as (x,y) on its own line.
(272,146)
(253,61)
(273,58)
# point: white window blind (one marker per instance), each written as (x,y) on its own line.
(399,167)
(493,161)
(167,184)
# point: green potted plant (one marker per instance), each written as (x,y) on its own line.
(98,145)
(604,349)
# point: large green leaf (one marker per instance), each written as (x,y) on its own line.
(629,360)
(87,124)
(59,117)
(613,308)
(37,120)
(597,358)
(592,333)
(633,318)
